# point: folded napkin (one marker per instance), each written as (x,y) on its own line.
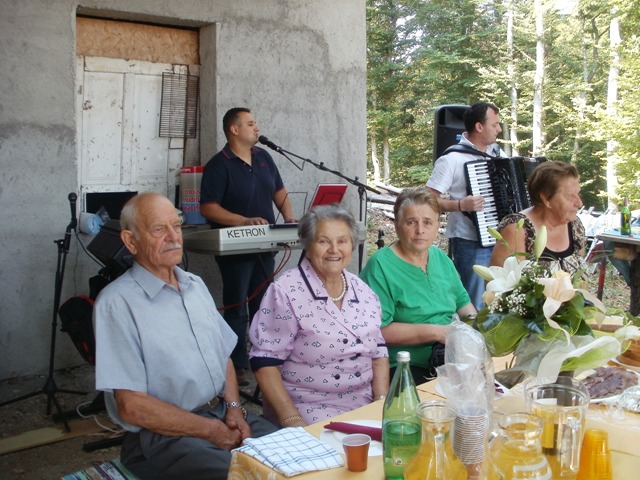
(374,432)
(292,451)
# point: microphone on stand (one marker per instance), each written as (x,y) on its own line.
(66,243)
(265,141)
(72,203)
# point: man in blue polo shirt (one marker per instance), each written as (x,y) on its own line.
(240,184)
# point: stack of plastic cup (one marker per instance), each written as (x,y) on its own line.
(469,434)
(595,457)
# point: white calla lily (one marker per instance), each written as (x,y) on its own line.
(593,299)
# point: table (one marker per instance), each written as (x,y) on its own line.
(624,437)
(624,432)
(244,467)
(626,247)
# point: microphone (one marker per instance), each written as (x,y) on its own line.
(265,141)
(72,203)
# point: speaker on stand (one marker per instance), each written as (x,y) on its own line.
(448,127)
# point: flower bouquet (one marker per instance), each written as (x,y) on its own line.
(538,312)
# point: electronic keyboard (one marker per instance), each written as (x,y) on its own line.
(246,239)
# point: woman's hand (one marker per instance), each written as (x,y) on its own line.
(398,333)
(276,395)
(467,310)
(439,332)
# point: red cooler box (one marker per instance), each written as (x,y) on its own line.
(190,178)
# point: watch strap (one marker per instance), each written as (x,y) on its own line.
(237,405)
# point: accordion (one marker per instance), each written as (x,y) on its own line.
(503,184)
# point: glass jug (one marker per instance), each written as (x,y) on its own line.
(516,451)
(562,405)
(435,459)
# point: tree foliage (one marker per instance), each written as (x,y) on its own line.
(426,53)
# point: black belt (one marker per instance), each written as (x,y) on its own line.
(210,405)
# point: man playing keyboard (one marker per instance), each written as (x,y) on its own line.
(240,184)
(482,125)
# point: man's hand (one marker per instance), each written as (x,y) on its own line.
(235,421)
(472,203)
(226,437)
(255,221)
(139,408)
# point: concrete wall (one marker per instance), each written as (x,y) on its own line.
(299,64)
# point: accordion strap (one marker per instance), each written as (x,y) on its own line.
(465,149)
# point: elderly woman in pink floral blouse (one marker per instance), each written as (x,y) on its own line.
(317,348)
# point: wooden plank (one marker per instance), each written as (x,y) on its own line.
(136,41)
(388,188)
(43,436)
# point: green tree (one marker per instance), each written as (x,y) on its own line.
(388,42)
(434,52)
(625,128)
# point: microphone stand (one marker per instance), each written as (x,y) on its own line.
(354,181)
(50,388)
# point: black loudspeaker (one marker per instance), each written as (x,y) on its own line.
(448,127)
(112,202)
(109,249)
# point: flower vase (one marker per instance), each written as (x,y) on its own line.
(526,359)
(567,374)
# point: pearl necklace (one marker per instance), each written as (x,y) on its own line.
(344,290)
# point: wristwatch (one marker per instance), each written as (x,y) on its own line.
(237,405)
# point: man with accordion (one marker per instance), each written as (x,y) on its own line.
(482,125)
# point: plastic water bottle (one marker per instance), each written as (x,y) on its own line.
(401,428)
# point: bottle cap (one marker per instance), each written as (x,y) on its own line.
(403,356)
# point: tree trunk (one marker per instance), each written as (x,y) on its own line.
(612,98)
(538,80)
(374,156)
(373,138)
(513,94)
(582,95)
(386,170)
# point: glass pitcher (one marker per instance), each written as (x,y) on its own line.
(562,405)
(516,451)
(435,459)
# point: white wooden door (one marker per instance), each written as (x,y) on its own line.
(118,109)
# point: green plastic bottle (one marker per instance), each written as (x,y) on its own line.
(401,428)
(625,218)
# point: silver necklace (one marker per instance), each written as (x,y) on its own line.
(344,290)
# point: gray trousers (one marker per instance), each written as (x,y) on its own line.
(149,455)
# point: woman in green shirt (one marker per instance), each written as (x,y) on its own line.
(418,285)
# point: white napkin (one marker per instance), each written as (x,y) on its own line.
(292,451)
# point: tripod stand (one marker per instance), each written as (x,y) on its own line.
(50,388)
